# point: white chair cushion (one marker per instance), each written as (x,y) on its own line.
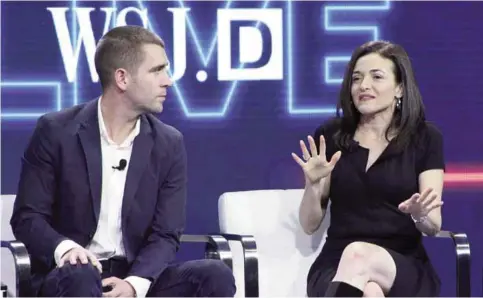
(285,252)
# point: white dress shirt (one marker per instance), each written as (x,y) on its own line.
(107,241)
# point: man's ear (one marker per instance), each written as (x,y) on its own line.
(121,77)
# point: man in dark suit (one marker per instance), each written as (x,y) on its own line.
(101,198)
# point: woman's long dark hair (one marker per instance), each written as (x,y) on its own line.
(407,119)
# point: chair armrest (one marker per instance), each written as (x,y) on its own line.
(463,261)
(250,257)
(21,259)
(216,247)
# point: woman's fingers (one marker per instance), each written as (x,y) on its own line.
(298,159)
(434,206)
(305,151)
(313,147)
(424,195)
(429,200)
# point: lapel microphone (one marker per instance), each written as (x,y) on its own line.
(122,165)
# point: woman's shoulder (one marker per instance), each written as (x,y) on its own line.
(432,130)
(427,137)
(429,147)
(428,132)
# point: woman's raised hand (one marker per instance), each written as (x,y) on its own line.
(315,165)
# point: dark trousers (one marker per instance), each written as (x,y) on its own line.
(199,278)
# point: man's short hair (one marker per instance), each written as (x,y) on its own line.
(121,47)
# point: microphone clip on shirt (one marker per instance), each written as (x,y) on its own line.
(122,165)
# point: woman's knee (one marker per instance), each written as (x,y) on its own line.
(372,289)
(356,257)
(369,261)
(366,258)
(358,250)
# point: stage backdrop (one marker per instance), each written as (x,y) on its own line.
(252,78)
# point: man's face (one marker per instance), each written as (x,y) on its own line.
(148,87)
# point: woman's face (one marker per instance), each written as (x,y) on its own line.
(374,88)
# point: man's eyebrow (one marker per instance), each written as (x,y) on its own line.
(159,67)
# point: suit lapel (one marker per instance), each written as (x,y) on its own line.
(140,156)
(89,136)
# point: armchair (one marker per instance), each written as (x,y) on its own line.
(15,266)
(272,255)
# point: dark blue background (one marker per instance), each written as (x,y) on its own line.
(249,146)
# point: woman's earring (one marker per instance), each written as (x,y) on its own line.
(398,103)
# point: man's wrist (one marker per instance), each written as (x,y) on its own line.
(139,285)
(134,294)
(63,248)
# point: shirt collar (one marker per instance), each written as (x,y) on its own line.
(102,128)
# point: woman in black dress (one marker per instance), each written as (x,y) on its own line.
(382,166)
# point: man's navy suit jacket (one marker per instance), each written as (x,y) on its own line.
(59,191)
